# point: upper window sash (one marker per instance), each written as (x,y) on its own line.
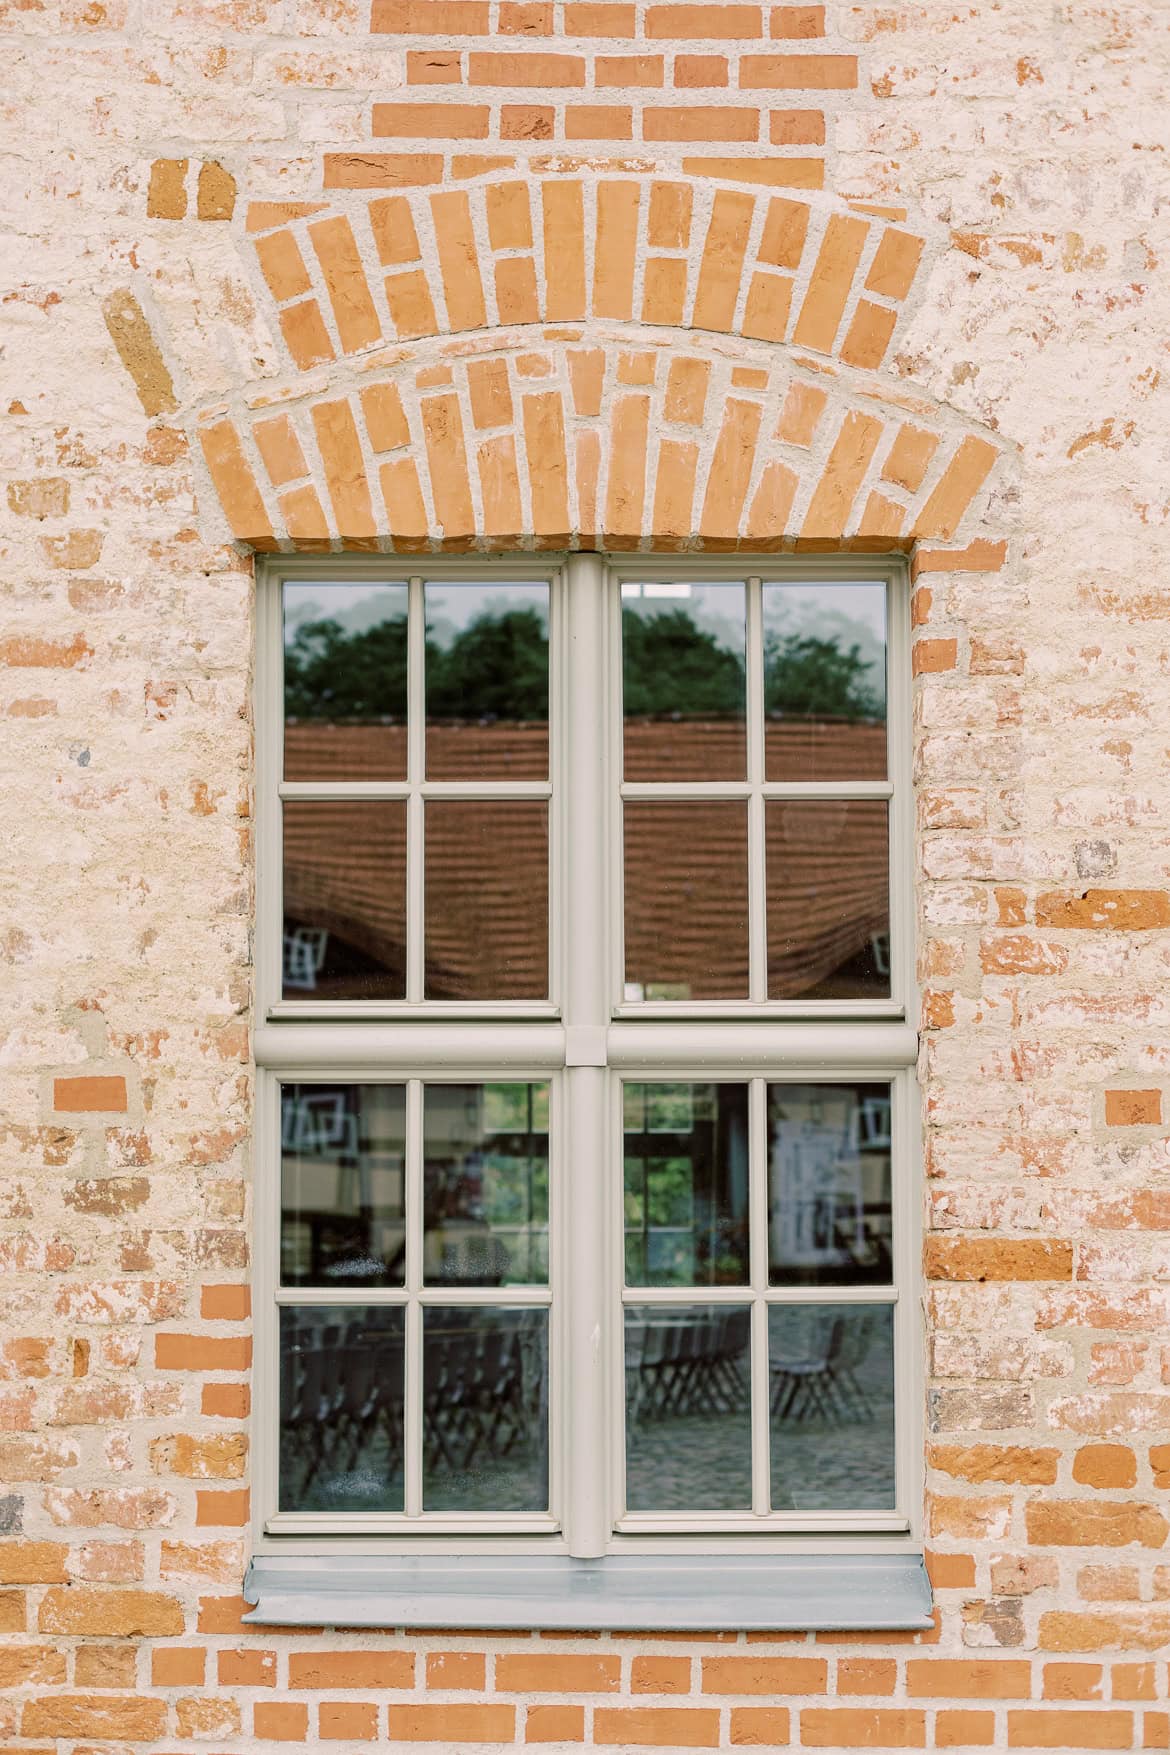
(586,708)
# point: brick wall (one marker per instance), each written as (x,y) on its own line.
(730,275)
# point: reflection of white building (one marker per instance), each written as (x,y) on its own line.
(828,1163)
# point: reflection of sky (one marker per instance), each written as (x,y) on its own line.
(848,614)
(450,605)
(355,607)
(719,610)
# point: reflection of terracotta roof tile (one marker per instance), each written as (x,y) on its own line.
(686,877)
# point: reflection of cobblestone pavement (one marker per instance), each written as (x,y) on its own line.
(691,1462)
(516,1482)
(702,1461)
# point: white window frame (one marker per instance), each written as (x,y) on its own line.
(585,1039)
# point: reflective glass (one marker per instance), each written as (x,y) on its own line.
(485,1409)
(342,1180)
(686,1184)
(344,681)
(683,665)
(828,883)
(686,900)
(344,900)
(829,1214)
(487,899)
(485,1185)
(825,682)
(831,1368)
(341,1408)
(688,1408)
(487,681)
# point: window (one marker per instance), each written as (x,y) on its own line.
(587,1210)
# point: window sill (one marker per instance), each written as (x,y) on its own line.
(669,1593)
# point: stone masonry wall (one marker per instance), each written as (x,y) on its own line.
(455,272)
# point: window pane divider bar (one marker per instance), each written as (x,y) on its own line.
(360,790)
(769,1047)
(757,883)
(683,1297)
(390,1523)
(416,634)
(412,1434)
(478,1296)
(758,1232)
(733,789)
(713,1523)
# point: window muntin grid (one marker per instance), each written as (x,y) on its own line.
(674,824)
(659,1040)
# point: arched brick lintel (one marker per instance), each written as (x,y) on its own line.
(628,439)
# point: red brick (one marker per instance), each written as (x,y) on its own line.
(456,1722)
(557,1673)
(678,1727)
(91,1094)
(857,1727)
(1081,1731)
(351,1669)
(280,1721)
(347,1720)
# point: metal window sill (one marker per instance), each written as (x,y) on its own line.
(621,1592)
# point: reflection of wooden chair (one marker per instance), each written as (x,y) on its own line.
(475,1392)
(685,1364)
(823,1380)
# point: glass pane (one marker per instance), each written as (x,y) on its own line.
(342,1180)
(829,1218)
(828,866)
(487,900)
(487,681)
(688,1408)
(683,681)
(825,682)
(485,1189)
(686,1174)
(344,682)
(832,1396)
(345,900)
(686,900)
(485,1409)
(341,1408)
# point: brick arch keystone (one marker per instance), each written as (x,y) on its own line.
(631,361)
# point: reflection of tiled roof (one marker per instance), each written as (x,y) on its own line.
(686,890)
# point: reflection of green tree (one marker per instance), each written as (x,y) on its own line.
(671,666)
(331,674)
(497,667)
(815,679)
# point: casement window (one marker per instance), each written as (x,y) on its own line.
(587,1197)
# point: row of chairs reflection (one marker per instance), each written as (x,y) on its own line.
(679,1363)
(485,1384)
(342,1395)
(690,1363)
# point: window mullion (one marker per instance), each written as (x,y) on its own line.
(416,730)
(412,1436)
(757,924)
(587,1199)
(758,1231)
